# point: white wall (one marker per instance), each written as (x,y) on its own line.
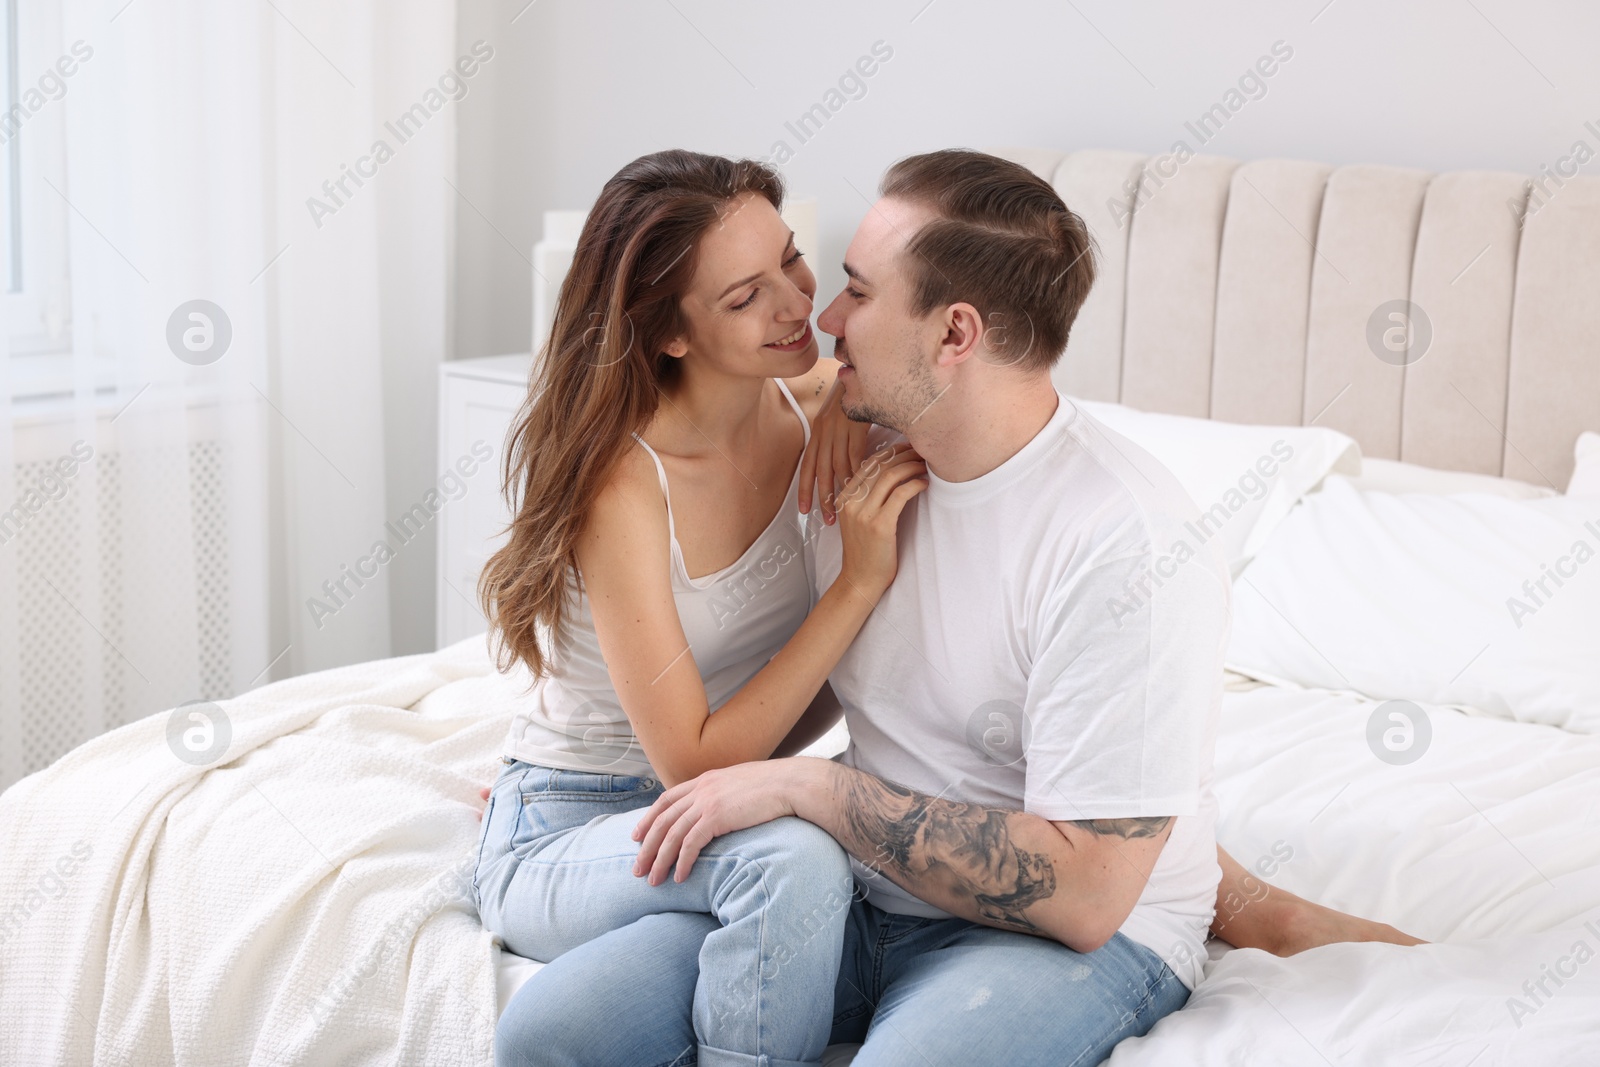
(578,89)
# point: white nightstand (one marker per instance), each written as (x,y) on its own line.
(477,400)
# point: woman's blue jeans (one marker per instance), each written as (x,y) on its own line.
(752,938)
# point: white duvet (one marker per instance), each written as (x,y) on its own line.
(305,902)
(1489,844)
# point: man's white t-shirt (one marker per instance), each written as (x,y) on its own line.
(1053,643)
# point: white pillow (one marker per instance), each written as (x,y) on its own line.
(1435,599)
(1585,480)
(1389,476)
(1244,479)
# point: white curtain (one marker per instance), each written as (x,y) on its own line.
(194,499)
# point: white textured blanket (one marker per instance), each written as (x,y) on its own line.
(303,900)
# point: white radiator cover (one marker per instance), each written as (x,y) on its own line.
(71,682)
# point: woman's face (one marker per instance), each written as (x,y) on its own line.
(748,307)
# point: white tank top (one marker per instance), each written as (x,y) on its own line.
(735,620)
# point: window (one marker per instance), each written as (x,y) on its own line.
(33,215)
(13,161)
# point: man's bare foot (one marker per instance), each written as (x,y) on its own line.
(1299,924)
(1252,914)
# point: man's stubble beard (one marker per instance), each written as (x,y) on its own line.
(910,397)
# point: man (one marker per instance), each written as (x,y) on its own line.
(1026,797)
(1033,704)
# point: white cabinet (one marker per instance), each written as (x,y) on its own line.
(477,400)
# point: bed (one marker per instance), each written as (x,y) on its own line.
(305,897)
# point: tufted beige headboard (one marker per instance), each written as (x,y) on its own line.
(1247,291)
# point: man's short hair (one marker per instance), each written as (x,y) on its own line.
(1003,242)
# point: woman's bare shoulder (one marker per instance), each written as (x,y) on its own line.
(632,496)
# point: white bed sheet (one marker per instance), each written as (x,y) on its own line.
(1487,845)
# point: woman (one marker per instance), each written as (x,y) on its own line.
(653,576)
(653,570)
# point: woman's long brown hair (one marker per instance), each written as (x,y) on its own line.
(598,379)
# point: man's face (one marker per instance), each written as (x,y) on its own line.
(888,352)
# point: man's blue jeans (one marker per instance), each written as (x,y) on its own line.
(947,991)
(734,965)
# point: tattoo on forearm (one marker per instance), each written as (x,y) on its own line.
(912,834)
(1127,829)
